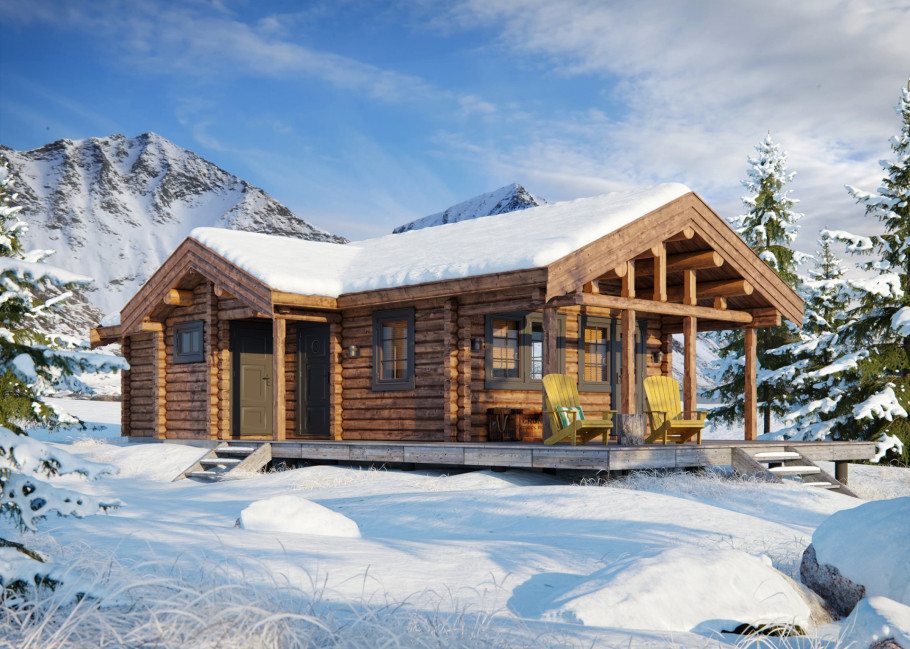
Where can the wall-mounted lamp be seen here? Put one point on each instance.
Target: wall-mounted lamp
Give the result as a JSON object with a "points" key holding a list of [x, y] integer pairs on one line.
{"points": [[352, 351], [476, 344], [657, 356]]}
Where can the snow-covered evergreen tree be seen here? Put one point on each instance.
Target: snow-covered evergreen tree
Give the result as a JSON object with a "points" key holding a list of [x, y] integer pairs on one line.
{"points": [[870, 368], [31, 365], [769, 226], [827, 297]]}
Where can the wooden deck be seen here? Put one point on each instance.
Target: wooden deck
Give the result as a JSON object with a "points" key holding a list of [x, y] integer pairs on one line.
{"points": [[515, 455]]}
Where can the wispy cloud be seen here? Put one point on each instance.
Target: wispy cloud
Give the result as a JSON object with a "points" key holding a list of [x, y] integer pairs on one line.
{"points": [[698, 84]]}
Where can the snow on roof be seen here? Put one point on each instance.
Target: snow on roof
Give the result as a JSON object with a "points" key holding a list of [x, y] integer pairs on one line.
{"points": [[514, 241]]}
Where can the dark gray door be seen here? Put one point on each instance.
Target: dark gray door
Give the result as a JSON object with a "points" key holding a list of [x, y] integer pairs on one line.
{"points": [[251, 351], [313, 412]]}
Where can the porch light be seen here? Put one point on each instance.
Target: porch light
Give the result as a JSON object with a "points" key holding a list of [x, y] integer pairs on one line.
{"points": [[352, 351], [476, 344], [657, 356]]}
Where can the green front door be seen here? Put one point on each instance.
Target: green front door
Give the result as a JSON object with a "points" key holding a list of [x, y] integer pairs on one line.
{"points": [[251, 351], [313, 380]]}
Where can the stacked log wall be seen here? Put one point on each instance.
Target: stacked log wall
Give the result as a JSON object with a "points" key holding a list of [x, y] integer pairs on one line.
{"points": [[191, 399], [400, 414], [140, 402]]}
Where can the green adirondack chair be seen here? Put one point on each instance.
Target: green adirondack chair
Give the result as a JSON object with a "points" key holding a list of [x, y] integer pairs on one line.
{"points": [[667, 418], [566, 416]]}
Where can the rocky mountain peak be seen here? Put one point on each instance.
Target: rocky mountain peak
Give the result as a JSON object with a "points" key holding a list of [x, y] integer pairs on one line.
{"points": [[510, 198], [115, 207]]}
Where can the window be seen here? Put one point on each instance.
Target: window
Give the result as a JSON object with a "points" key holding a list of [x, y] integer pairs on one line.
{"points": [[595, 354], [600, 357], [514, 350], [393, 350], [188, 342]]}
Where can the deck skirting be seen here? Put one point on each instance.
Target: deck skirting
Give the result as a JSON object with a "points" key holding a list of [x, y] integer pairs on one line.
{"points": [[537, 456]]}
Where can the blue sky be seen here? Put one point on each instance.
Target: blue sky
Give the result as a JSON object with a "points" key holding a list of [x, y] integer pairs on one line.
{"points": [[362, 115]]}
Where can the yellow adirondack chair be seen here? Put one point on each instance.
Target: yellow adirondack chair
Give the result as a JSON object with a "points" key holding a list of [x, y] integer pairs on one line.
{"points": [[667, 418], [561, 398]]}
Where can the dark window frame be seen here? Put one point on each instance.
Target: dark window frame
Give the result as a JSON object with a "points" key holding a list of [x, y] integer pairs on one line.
{"points": [[641, 360], [585, 322], [407, 381], [527, 321], [191, 327]]}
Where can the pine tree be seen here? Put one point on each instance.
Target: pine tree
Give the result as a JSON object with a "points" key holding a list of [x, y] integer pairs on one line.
{"points": [[870, 366], [769, 226], [827, 297], [32, 364]]}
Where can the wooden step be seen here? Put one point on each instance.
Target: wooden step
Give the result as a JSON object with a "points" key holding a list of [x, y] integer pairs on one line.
{"points": [[208, 475], [770, 456], [235, 450], [795, 470], [220, 460], [821, 485]]}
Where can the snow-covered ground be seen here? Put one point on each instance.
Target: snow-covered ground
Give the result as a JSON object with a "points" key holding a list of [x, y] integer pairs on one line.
{"points": [[351, 557]]}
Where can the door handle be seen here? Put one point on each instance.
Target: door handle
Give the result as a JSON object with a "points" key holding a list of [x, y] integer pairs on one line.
{"points": [[268, 380]]}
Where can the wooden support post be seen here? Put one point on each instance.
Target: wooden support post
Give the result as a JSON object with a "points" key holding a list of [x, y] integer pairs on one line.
{"points": [[160, 389], [550, 356], [660, 274], [279, 401], [450, 370], [464, 377], [627, 391], [212, 360], [125, 388], [336, 385], [841, 471], [690, 397], [720, 303], [750, 414], [628, 280], [666, 348], [689, 295]]}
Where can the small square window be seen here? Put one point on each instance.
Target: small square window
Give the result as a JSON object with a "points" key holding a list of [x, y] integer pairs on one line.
{"points": [[188, 342]]}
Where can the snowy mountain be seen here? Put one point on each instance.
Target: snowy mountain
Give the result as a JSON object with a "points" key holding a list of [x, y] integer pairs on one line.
{"points": [[510, 198], [114, 208]]}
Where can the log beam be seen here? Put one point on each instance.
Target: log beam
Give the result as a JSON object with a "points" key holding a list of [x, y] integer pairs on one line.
{"points": [[177, 297], [710, 290], [683, 235], [750, 413], [698, 260], [648, 306], [222, 293]]}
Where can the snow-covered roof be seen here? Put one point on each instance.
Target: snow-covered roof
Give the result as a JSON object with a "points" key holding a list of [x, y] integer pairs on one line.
{"points": [[526, 239]]}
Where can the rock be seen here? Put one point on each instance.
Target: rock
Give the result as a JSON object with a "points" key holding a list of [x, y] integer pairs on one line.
{"points": [[838, 591]]}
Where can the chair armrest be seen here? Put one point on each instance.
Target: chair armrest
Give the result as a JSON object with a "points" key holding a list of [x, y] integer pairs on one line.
{"points": [[657, 417], [607, 415], [700, 415]]}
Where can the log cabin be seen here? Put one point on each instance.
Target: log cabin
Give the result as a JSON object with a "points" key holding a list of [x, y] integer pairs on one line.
{"points": [[420, 336]]}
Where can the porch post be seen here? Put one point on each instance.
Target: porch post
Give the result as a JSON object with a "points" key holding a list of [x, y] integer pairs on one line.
{"points": [[550, 356], [627, 391], [750, 411], [279, 329], [690, 398]]}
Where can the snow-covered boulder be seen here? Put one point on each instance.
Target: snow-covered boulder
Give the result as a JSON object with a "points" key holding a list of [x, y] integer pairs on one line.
{"points": [[298, 516], [860, 552], [877, 623], [680, 589]]}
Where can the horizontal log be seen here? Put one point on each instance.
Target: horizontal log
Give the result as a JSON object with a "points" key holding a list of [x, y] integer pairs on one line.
{"points": [[648, 306], [709, 290], [178, 297], [697, 260]]}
